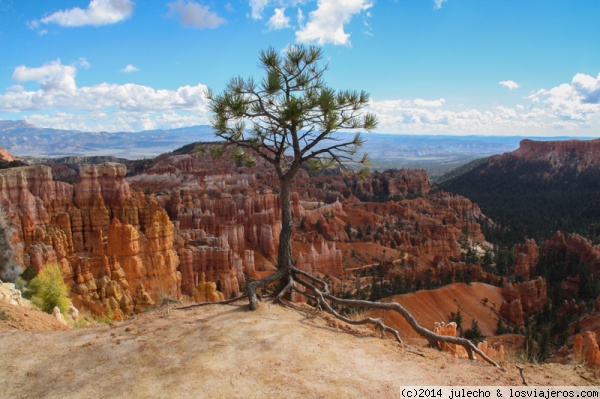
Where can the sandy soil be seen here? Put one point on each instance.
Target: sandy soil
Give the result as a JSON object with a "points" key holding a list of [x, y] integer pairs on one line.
{"points": [[13, 317], [227, 352]]}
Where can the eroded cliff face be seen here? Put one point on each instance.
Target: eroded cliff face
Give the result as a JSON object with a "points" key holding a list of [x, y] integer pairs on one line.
{"points": [[223, 221], [575, 154], [378, 186], [227, 219], [322, 258], [107, 239], [522, 300], [216, 230], [586, 350], [217, 201], [572, 247], [429, 232], [527, 256]]}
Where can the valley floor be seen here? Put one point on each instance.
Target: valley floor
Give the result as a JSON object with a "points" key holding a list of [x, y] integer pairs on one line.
{"points": [[227, 352]]}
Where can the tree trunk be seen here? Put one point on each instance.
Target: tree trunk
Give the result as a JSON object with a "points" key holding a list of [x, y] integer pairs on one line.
{"points": [[285, 262], [284, 253]]}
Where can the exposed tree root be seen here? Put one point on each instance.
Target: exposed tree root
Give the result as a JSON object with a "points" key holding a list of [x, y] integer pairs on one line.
{"points": [[318, 290], [224, 302], [252, 286], [321, 296], [435, 340], [522, 372]]}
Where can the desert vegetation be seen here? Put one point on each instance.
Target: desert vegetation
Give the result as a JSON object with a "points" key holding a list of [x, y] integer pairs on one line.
{"points": [[48, 290]]}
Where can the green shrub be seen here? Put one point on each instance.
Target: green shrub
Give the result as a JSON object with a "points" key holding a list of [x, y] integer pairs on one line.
{"points": [[105, 318], [80, 322], [48, 289], [474, 333]]}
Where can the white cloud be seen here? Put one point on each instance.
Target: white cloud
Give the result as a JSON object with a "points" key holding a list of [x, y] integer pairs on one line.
{"points": [[577, 101], [571, 109], [506, 113], [257, 7], [84, 63], [58, 102], [326, 23], [132, 97], [98, 12], [52, 76], [437, 4], [510, 84], [429, 103], [300, 17], [279, 20], [129, 97], [587, 87], [194, 15], [129, 68]]}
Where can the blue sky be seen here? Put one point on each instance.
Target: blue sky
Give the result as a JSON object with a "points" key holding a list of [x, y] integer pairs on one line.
{"points": [[491, 67]]}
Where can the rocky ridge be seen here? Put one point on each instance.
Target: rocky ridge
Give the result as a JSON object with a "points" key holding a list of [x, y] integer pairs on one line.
{"points": [[541, 187], [576, 154]]}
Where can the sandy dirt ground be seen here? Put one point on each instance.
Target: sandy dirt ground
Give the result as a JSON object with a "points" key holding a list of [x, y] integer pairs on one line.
{"points": [[228, 352], [13, 317]]}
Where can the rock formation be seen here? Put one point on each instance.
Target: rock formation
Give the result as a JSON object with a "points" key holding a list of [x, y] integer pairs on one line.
{"points": [[577, 154], [207, 292], [240, 219], [142, 299], [9, 294], [106, 238], [572, 247], [217, 263], [586, 350], [495, 352], [58, 316], [450, 330], [378, 186], [527, 257], [208, 216], [6, 156], [325, 260], [523, 299]]}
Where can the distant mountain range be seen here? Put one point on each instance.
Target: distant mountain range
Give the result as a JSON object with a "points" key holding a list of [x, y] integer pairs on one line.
{"points": [[25, 140], [436, 153]]}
